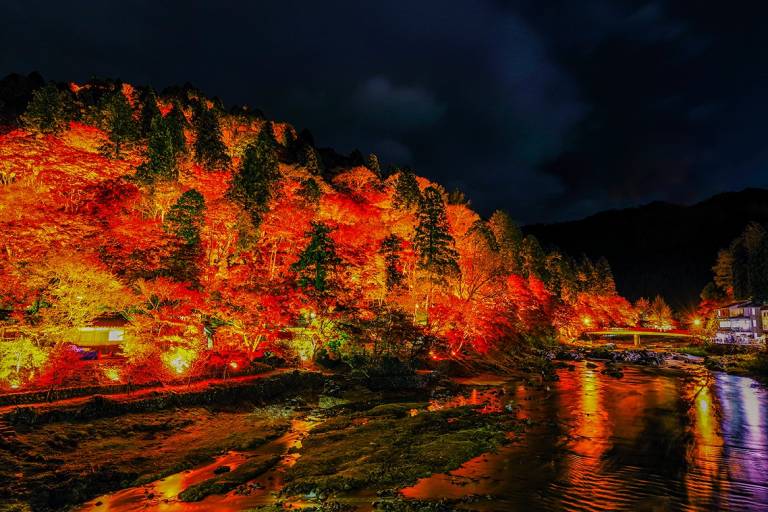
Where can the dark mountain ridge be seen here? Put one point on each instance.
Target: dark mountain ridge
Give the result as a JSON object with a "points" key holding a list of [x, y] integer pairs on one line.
{"points": [[660, 248]]}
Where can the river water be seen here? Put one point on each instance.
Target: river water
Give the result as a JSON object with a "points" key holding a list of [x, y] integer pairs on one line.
{"points": [[657, 439], [653, 440]]}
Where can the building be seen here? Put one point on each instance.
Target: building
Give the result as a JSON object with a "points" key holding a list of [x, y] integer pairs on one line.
{"points": [[105, 331], [743, 323]]}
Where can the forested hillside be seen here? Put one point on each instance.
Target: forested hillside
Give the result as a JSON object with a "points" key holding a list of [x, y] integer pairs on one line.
{"points": [[223, 238], [661, 248]]}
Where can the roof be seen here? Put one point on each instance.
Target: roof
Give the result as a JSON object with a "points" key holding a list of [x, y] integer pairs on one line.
{"points": [[744, 304], [109, 321]]}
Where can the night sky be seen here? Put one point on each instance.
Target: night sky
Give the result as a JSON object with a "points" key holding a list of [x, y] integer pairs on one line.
{"points": [[550, 110]]}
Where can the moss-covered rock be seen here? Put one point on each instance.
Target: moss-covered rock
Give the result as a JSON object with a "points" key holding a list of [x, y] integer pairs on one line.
{"points": [[392, 448], [228, 481]]}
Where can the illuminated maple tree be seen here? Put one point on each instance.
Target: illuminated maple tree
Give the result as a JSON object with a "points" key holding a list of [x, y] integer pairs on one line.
{"points": [[284, 251]]}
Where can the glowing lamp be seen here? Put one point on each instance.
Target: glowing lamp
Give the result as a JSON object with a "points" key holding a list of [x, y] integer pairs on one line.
{"points": [[233, 365], [586, 321], [179, 359], [697, 322], [179, 364], [112, 374]]}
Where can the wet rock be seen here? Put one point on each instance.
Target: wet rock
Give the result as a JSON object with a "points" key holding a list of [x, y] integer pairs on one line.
{"points": [[230, 480], [332, 388], [405, 505], [612, 371], [330, 402], [591, 365], [392, 448], [222, 469], [713, 364], [570, 355]]}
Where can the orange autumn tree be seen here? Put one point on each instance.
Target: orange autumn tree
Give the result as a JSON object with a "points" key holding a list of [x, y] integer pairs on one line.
{"points": [[203, 228]]}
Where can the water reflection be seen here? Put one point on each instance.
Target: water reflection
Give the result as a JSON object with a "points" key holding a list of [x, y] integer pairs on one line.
{"points": [[161, 495], [653, 440], [744, 410]]}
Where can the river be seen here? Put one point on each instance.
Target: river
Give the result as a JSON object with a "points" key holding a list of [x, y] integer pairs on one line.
{"points": [[656, 439]]}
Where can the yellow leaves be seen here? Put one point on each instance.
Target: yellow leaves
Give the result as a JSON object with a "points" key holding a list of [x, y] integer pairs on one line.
{"points": [[19, 359], [84, 138], [112, 373], [179, 359], [7, 176], [78, 291]]}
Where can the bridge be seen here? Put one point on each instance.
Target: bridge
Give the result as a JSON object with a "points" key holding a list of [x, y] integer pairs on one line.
{"points": [[636, 332]]}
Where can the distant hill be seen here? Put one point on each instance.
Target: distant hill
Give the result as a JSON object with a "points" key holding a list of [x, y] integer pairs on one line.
{"points": [[660, 248]]}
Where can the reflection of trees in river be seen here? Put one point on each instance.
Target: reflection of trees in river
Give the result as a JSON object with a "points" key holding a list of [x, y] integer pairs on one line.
{"points": [[744, 436], [654, 440]]}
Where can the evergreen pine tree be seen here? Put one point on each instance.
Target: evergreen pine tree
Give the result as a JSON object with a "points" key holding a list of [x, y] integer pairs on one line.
{"points": [[176, 124], [311, 160], [712, 292], [509, 237], [561, 274], [252, 186], [122, 128], [407, 192], [604, 277], [310, 191], [723, 272], [432, 240], [390, 249], [533, 258], [267, 134], [373, 164], [317, 259], [149, 112], [161, 154], [456, 196], [289, 139], [756, 241], [484, 234], [185, 220], [210, 150], [45, 112]]}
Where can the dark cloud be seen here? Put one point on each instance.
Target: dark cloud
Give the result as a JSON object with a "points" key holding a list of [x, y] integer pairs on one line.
{"points": [[550, 110], [400, 108]]}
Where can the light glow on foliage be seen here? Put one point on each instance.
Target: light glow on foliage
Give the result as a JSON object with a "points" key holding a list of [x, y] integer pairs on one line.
{"points": [[112, 373], [179, 359], [202, 275]]}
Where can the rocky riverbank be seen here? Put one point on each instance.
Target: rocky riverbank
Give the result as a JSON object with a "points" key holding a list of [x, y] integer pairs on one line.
{"points": [[57, 455], [367, 437], [370, 433]]}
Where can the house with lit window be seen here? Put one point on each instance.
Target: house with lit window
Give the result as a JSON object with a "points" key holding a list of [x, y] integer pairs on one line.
{"points": [[743, 323]]}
